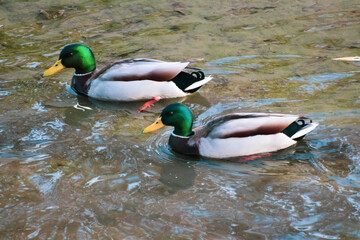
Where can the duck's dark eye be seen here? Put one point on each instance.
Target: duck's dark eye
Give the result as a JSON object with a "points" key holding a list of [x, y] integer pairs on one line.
{"points": [[70, 54], [168, 114]]}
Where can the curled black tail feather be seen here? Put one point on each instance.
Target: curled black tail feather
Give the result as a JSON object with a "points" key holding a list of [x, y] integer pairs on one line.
{"points": [[184, 79], [199, 75], [296, 126]]}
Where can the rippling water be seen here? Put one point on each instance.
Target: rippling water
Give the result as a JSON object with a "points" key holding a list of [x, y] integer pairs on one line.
{"points": [[76, 168]]}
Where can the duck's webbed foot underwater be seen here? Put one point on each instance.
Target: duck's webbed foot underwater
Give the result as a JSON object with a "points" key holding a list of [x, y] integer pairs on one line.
{"points": [[150, 103]]}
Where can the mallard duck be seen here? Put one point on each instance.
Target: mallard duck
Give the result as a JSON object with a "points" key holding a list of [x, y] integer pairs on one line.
{"points": [[232, 135], [128, 79]]}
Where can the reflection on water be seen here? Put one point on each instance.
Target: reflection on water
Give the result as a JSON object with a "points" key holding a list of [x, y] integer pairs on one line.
{"points": [[88, 172], [319, 82]]}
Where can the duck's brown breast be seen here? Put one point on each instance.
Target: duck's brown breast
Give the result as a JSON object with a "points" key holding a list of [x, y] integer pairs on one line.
{"points": [[181, 145]]}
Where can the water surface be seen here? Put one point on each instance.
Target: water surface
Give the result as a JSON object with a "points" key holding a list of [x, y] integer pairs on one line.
{"points": [[89, 173]]}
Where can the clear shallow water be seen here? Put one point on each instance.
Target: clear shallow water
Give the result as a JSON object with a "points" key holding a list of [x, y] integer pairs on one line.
{"points": [[75, 173]]}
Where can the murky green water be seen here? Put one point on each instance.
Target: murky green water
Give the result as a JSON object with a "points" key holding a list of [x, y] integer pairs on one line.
{"points": [[66, 173]]}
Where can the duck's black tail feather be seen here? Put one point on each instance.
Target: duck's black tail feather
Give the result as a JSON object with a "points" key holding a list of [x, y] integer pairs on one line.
{"points": [[190, 82], [299, 128]]}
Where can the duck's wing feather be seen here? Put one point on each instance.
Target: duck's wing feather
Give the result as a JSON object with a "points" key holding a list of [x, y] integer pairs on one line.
{"points": [[140, 69], [247, 124]]}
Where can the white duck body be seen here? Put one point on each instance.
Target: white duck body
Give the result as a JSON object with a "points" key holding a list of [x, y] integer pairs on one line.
{"points": [[242, 134], [139, 79], [232, 147], [134, 90]]}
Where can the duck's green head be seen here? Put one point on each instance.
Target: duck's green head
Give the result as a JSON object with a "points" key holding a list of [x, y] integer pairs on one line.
{"points": [[176, 115], [75, 56]]}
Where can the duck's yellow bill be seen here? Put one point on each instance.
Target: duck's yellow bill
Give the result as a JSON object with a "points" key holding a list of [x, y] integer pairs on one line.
{"points": [[155, 126], [54, 69], [348, 59]]}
